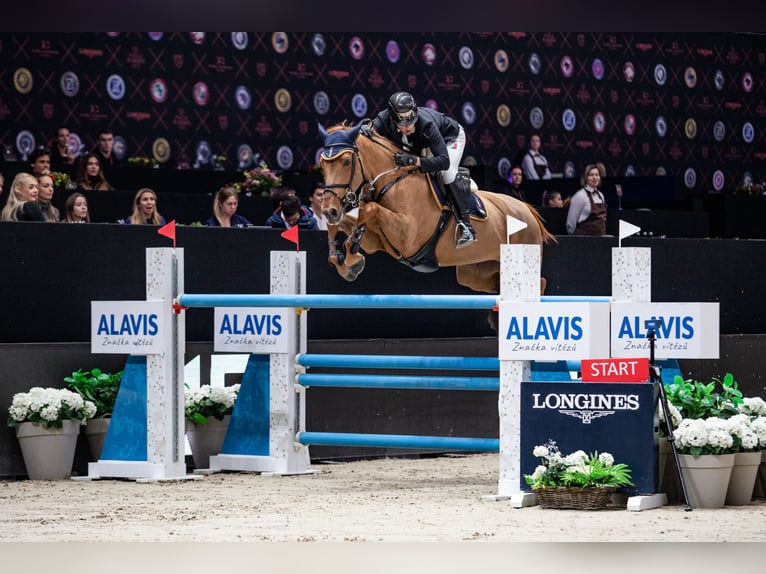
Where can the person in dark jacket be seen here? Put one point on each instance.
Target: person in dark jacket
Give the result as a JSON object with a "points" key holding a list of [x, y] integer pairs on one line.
{"points": [[291, 213], [417, 129], [21, 204], [225, 210]]}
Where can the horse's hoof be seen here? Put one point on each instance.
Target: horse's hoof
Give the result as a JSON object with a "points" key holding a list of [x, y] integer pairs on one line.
{"points": [[355, 270]]}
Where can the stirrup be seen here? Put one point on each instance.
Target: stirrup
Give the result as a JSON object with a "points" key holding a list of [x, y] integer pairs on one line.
{"points": [[464, 235]]}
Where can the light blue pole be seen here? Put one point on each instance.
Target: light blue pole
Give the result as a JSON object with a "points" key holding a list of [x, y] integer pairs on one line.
{"points": [[399, 441], [368, 381], [399, 362]]}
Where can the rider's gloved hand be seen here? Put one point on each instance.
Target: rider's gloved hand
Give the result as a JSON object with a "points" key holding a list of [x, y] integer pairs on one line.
{"points": [[401, 158]]}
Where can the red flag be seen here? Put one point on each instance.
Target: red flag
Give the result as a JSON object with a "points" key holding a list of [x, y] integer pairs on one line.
{"points": [[292, 235], [169, 230]]}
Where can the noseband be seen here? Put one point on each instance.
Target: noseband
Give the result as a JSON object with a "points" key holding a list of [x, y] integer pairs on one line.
{"points": [[351, 198]]}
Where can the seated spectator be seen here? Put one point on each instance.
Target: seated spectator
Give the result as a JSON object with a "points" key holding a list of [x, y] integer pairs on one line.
{"points": [[22, 200], [76, 209], [45, 197], [277, 194], [513, 185], [40, 161], [61, 155], [225, 210], [90, 176], [145, 209], [315, 203], [291, 213], [104, 149], [552, 199]]}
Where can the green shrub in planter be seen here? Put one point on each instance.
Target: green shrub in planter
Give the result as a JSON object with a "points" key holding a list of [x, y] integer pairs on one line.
{"points": [[96, 386], [719, 398]]}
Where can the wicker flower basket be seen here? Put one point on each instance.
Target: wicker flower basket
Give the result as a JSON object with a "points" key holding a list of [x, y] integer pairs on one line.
{"points": [[574, 497]]}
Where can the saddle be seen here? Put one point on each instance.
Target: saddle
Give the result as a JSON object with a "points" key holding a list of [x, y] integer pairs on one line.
{"points": [[476, 207]]}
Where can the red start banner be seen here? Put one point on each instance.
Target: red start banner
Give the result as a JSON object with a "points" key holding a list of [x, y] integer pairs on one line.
{"points": [[615, 370]]}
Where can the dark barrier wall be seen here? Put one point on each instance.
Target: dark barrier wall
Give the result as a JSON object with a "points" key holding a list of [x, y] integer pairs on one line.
{"points": [[51, 272]]}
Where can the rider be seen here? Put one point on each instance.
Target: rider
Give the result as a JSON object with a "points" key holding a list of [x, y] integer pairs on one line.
{"points": [[417, 129]]}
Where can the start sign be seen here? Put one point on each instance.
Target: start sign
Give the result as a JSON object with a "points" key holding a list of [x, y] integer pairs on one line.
{"points": [[615, 370]]}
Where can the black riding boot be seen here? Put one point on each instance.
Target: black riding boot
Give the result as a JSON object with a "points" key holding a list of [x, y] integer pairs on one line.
{"points": [[460, 194]]}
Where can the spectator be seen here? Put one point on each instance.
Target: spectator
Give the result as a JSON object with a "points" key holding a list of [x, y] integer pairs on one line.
{"points": [[76, 209], [277, 194], [225, 210], [104, 149], [513, 185], [45, 197], [420, 129], [144, 209], [587, 208], [534, 164], [552, 199], [291, 213], [90, 176], [315, 203], [22, 200], [40, 161], [61, 155]]}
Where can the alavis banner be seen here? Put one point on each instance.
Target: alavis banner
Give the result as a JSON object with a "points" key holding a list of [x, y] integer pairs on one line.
{"points": [[251, 330], [127, 327]]}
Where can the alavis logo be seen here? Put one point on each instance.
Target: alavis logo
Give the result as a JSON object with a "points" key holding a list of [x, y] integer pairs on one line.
{"points": [[585, 406]]}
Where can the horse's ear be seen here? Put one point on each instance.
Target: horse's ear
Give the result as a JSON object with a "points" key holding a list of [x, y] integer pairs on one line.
{"points": [[322, 131]]}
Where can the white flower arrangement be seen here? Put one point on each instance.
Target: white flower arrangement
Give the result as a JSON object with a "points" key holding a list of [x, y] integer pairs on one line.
{"points": [[576, 469], [49, 407], [209, 402], [714, 435], [753, 406], [675, 417], [758, 426]]}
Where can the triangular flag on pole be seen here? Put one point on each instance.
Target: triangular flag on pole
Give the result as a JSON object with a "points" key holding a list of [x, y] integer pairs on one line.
{"points": [[292, 235], [512, 225], [626, 230], [169, 230]]}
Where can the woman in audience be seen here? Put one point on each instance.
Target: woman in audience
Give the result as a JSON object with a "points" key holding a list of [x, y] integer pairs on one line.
{"points": [[76, 209], [145, 209], [45, 196], [90, 176], [22, 200], [587, 207], [225, 210]]}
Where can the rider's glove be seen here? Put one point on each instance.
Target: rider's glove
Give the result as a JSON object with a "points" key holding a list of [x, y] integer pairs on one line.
{"points": [[401, 158]]}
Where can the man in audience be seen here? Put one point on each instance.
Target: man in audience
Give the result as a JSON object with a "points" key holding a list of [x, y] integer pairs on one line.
{"points": [[104, 149]]}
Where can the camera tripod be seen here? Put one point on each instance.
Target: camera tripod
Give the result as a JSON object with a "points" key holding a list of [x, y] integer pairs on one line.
{"points": [[655, 377]]}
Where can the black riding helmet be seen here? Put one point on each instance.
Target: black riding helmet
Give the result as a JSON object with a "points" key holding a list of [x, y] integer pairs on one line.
{"points": [[404, 112]]}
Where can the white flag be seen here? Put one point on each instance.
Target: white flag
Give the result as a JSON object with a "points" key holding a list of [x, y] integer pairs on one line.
{"points": [[512, 226], [628, 229]]}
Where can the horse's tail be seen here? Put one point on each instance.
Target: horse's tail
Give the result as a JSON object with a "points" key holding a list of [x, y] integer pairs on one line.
{"points": [[547, 236]]}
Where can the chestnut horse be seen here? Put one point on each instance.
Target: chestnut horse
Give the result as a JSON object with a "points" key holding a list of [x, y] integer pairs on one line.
{"points": [[399, 213]]}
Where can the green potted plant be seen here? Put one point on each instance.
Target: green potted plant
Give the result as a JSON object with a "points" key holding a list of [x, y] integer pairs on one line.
{"points": [[696, 400], [101, 388], [47, 423], [577, 480], [207, 412]]}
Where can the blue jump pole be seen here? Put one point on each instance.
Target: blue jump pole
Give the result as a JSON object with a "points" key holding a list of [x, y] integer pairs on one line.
{"points": [[341, 301], [367, 381], [399, 441], [399, 362]]}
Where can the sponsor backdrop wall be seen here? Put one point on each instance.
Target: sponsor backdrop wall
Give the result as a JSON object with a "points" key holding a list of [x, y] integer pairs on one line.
{"points": [[689, 105]]}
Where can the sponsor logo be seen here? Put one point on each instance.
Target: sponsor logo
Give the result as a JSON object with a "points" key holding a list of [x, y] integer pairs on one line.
{"points": [[660, 74], [748, 132], [466, 57], [161, 150], [501, 61], [429, 54], [321, 103], [138, 116], [503, 167], [200, 93], [719, 80], [503, 115], [282, 100], [534, 64], [115, 87], [280, 42], [239, 40], [25, 143], [245, 156], [284, 157], [598, 69], [203, 154], [567, 66], [242, 97], [586, 406], [690, 77], [469, 113], [630, 124], [719, 131], [690, 128], [661, 126], [70, 84], [156, 36], [197, 37], [628, 72], [569, 169], [599, 122], [318, 44], [393, 53], [660, 171], [158, 90], [690, 178], [356, 48], [536, 117], [569, 119], [747, 82], [120, 148], [359, 105], [718, 180], [22, 80]]}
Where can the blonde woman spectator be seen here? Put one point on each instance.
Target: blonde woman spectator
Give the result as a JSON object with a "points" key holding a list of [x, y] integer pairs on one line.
{"points": [[45, 197], [145, 209], [76, 209], [225, 210], [90, 176], [22, 200]]}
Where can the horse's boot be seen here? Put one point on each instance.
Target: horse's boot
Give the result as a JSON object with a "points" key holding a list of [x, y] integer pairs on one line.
{"points": [[460, 194]]}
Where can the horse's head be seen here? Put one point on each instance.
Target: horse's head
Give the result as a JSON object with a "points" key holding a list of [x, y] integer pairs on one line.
{"points": [[343, 181]]}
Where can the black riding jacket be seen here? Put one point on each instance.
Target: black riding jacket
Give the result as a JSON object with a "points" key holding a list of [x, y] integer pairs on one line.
{"points": [[433, 131]]}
